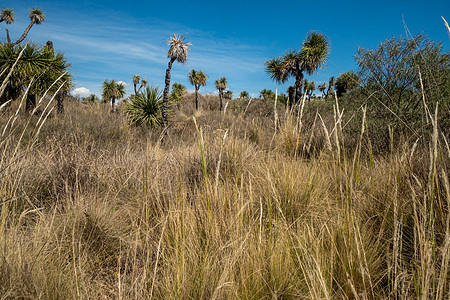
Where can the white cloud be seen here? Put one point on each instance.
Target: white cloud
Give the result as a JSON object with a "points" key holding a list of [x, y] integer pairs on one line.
{"points": [[123, 82], [81, 91]]}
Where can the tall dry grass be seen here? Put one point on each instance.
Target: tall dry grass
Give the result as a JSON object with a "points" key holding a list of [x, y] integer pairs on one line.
{"points": [[225, 207]]}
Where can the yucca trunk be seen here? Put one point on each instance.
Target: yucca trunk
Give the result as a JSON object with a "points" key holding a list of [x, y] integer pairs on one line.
{"points": [[135, 90], [113, 103], [220, 100], [298, 83], [291, 95], [30, 103], [24, 35], [60, 103], [196, 97], [165, 104], [298, 86]]}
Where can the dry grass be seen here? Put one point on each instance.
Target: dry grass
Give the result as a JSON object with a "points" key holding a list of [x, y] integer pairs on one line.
{"points": [[92, 208]]}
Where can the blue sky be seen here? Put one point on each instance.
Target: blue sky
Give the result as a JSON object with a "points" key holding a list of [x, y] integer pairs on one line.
{"points": [[116, 39]]}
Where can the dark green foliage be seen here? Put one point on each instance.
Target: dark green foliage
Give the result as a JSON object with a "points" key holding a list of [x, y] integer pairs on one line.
{"points": [[400, 76], [346, 82], [39, 69], [145, 108]]}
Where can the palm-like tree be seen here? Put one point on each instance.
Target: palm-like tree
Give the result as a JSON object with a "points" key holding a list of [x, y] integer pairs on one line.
{"points": [[7, 15], [331, 83], [177, 91], [221, 85], [197, 79], [36, 17], [228, 95], [244, 95], [178, 51], [310, 89], [112, 91], [136, 80], [294, 63], [322, 87], [39, 70]]}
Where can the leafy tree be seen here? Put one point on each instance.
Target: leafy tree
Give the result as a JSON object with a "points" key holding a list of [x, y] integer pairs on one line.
{"points": [[145, 108], [322, 87], [36, 17], [177, 91], [197, 79], [178, 51], [221, 85], [393, 70], [346, 82], [112, 91], [38, 69], [309, 58]]}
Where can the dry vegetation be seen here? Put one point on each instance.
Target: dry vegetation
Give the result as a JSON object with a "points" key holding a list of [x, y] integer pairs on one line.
{"points": [[224, 207]]}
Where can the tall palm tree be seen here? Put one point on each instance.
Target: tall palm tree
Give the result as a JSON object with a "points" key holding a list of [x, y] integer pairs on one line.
{"points": [[112, 91], [7, 15], [36, 17], [197, 79], [178, 51], [309, 58], [221, 85], [136, 80]]}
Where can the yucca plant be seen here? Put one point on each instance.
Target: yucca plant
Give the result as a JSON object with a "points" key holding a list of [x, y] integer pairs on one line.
{"points": [[37, 16], [145, 108]]}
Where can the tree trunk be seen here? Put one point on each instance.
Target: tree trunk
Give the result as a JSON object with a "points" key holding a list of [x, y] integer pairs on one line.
{"points": [[7, 36], [24, 35], [165, 104], [220, 100], [291, 95], [135, 90], [196, 98], [298, 85], [60, 102], [30, 103], [113, 103]]}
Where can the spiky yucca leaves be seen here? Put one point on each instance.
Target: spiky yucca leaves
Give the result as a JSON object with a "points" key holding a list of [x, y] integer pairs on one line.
{"points": [[37, 16], [145, 108], [315, 50], [112, 91], [7, 15], [43, 68], [178, 51], [221, 85], [197, 79]]}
